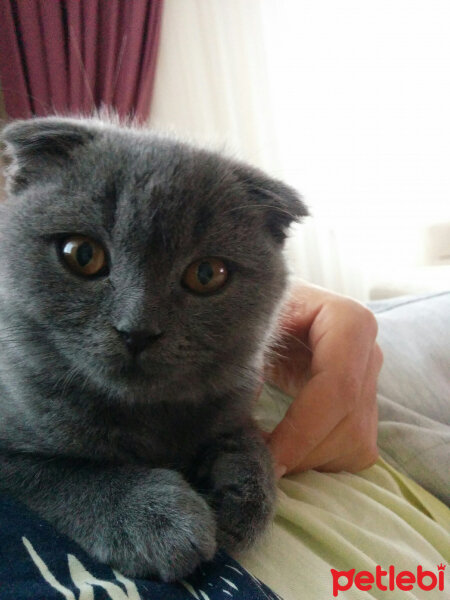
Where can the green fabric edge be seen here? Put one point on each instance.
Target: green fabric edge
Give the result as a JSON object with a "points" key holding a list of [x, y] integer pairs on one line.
{"points": [[419, 497]]}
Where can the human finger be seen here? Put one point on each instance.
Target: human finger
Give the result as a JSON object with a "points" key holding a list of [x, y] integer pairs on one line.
{"points": [[340, 357], [354, 440]]}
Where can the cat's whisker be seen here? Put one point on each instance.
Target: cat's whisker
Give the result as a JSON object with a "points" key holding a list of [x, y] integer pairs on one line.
{"points": [[69, 378], [283, 343]]}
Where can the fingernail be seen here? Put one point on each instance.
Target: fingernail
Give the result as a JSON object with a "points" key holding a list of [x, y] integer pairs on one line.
{"points": [[280, 470]]}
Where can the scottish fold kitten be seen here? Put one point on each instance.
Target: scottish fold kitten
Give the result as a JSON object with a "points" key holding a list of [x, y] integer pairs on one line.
{"points": [[140, 281]]}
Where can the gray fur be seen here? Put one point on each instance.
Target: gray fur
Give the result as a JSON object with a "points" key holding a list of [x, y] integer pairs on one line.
{"points": [[149, 468]]}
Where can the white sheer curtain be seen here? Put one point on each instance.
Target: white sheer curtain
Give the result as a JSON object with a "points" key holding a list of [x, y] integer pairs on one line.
{"points": [[347, 101]]}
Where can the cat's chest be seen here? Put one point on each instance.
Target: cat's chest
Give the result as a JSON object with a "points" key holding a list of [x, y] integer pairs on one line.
{"points": [[163, 436]]}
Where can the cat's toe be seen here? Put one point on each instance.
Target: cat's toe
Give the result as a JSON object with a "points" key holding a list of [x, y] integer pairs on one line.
{"points": [[184, 546], [242, 516]]}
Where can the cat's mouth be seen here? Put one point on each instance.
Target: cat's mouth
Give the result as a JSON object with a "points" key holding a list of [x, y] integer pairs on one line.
{"points": [[131, 369], [138, 372]]}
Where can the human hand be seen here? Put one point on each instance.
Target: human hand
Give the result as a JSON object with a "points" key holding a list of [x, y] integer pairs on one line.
{"points": [[331, 425]]}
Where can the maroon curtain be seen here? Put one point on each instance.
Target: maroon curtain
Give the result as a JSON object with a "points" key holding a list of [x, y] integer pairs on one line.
{"points": [[72, 56]]}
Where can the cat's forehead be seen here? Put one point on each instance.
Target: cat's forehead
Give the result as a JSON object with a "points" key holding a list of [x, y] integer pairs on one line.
{"points": [[72, 175], [155, 187]]}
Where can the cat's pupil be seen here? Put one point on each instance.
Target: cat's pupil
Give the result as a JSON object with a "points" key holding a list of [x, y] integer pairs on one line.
{"points": [[205, 273], [85, 252]]}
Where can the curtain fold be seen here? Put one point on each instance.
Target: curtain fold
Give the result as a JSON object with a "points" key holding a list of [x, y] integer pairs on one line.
{"points": [[75, 56]]}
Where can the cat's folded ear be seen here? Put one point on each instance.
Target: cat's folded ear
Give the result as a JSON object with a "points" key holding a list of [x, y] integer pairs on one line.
{"points": [[281, 203], [35, 146]]}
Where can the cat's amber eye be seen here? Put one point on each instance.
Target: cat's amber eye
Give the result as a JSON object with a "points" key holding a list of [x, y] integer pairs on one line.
{"points": [[84, 256], [206, 275]]}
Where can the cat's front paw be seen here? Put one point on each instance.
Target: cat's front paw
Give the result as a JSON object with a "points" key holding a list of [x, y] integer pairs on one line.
{"points": [[184, 542], [169, 529], [243, 510]]}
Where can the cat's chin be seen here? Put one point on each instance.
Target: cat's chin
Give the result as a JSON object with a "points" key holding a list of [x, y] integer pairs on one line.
{"points": [[133, 375], [132, 382]]}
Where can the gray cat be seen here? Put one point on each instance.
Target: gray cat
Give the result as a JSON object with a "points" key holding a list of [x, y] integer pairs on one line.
{"points": [[140, 280]]}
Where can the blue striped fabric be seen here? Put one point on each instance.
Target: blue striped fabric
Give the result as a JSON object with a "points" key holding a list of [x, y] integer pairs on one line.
{"points": [[38, 563]]}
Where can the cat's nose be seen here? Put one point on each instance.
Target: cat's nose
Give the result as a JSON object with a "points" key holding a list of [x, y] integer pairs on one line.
{"points": [[138, 340]]}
